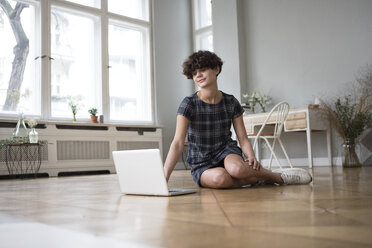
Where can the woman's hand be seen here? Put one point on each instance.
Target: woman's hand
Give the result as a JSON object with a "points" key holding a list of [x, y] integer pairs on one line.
{"points": [[254, 163]]}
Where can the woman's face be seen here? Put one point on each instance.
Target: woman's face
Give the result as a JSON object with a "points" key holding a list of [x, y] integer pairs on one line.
{"points": [[205, 77]]}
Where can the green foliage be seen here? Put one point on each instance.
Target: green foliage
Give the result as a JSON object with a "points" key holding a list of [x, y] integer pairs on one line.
{"points": [[74, 107], [13, 140], [5, 142], [256, 97], [93, 111], [352, 121]]}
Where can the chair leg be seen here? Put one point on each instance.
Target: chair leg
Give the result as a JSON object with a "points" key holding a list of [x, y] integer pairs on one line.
{"points": [[271, 160], [285, 153], [272, 152], [257, 150], [271, 155]]}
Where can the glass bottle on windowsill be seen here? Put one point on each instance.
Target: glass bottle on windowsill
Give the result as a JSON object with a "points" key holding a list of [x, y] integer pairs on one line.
{"points": [[20, 133], [33, 136]]}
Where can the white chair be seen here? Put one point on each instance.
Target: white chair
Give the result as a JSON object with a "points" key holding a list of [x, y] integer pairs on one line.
{"points": [[274, 122]]}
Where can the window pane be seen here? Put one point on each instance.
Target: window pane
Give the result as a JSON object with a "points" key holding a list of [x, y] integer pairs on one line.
{"points": [[204, 41], [75, 68], [130, 87], [90, 3], [138, 9], [19, 71], [203, 13]]}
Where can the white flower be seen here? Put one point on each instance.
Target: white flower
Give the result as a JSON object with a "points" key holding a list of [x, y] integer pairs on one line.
{"points": [[32, 122], [255, 98]]}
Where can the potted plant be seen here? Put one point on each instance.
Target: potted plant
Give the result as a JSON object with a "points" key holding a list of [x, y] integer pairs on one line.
{"points": [[254, 98], [350, 115], [74, 108], [93, 115]]}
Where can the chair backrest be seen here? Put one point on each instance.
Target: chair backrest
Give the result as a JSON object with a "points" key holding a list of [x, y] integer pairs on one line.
{"points": [[277, 116]]}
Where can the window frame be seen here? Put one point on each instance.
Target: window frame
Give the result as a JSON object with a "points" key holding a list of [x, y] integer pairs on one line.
{"points": [[143, 27], [98, 55], [199, 32], [100, 12], [38, 62]]}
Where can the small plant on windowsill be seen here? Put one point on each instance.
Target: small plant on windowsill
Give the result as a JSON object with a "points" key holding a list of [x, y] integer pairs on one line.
{"points": [[74, 108], [93, 115]]}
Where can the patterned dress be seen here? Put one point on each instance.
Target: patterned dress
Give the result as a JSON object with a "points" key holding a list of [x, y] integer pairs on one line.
{"points": [[209, 132]]}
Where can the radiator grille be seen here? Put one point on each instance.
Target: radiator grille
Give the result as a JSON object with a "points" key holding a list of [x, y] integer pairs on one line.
{"points": [[135, 145], [83, 150]]}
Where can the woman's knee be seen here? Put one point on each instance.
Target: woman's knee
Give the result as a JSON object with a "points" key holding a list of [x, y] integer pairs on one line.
{"points": [[217, 179], [236, 169], [243, 171], [222, 180]]}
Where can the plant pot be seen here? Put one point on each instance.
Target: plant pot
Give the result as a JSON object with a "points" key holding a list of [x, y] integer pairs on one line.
{"points": [[351, 159], [93, 119]]}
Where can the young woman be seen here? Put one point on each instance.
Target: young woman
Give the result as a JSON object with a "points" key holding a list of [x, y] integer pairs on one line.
{"points": [[206, 116]]}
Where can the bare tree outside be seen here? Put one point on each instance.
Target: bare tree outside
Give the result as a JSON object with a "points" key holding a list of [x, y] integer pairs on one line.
{"points": [[20, 50]]}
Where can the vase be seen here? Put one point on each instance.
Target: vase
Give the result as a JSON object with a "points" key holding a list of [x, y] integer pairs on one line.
{"points": [[33, 136], [20, 133], [351, 159]]}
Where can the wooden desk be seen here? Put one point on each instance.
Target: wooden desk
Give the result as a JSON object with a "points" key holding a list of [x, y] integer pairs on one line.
{"points": [[298, 120]]}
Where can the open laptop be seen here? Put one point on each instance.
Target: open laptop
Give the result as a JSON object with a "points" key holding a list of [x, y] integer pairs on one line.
{"points": [[140, 172]]}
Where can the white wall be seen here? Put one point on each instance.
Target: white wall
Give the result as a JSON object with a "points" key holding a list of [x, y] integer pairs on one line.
{"points": [[295, 50], [226, 45], [300, 49], [172, 39]]}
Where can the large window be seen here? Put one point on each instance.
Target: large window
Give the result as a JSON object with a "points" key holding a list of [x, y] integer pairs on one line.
{"points": [[19, 71], [130, 95], [90, 3], [75, 68], [132, 8], [203, 35], [96, 53]]}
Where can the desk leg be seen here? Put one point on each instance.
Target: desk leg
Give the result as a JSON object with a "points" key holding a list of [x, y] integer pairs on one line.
{"points": [[309, 153], [329, 146]]}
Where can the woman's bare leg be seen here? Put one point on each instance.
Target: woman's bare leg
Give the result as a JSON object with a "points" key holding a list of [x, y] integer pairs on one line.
{"points": [[219, 178], [237, 168]]}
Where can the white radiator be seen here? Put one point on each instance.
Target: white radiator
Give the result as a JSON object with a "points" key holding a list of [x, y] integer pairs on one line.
{"points": [[84, 147]]}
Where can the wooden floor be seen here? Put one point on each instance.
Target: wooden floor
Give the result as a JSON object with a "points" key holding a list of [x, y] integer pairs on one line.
{"points": [[333, 211]]}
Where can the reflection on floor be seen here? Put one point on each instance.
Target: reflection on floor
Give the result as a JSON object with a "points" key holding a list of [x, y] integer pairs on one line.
{"points": [[88, 211]]}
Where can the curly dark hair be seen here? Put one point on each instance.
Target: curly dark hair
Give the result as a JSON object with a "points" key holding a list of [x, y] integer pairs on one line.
{"points": [[201, 60]]}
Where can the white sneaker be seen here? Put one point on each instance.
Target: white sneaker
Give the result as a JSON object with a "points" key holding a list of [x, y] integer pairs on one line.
{"points": [[295, 176]]}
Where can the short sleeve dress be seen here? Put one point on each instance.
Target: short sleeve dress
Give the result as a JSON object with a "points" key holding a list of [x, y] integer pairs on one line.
{"points": [[209, 132]]}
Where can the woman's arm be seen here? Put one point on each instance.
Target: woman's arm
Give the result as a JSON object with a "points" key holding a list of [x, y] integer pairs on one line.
{"points": [[177, 146], [244, 142]]}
